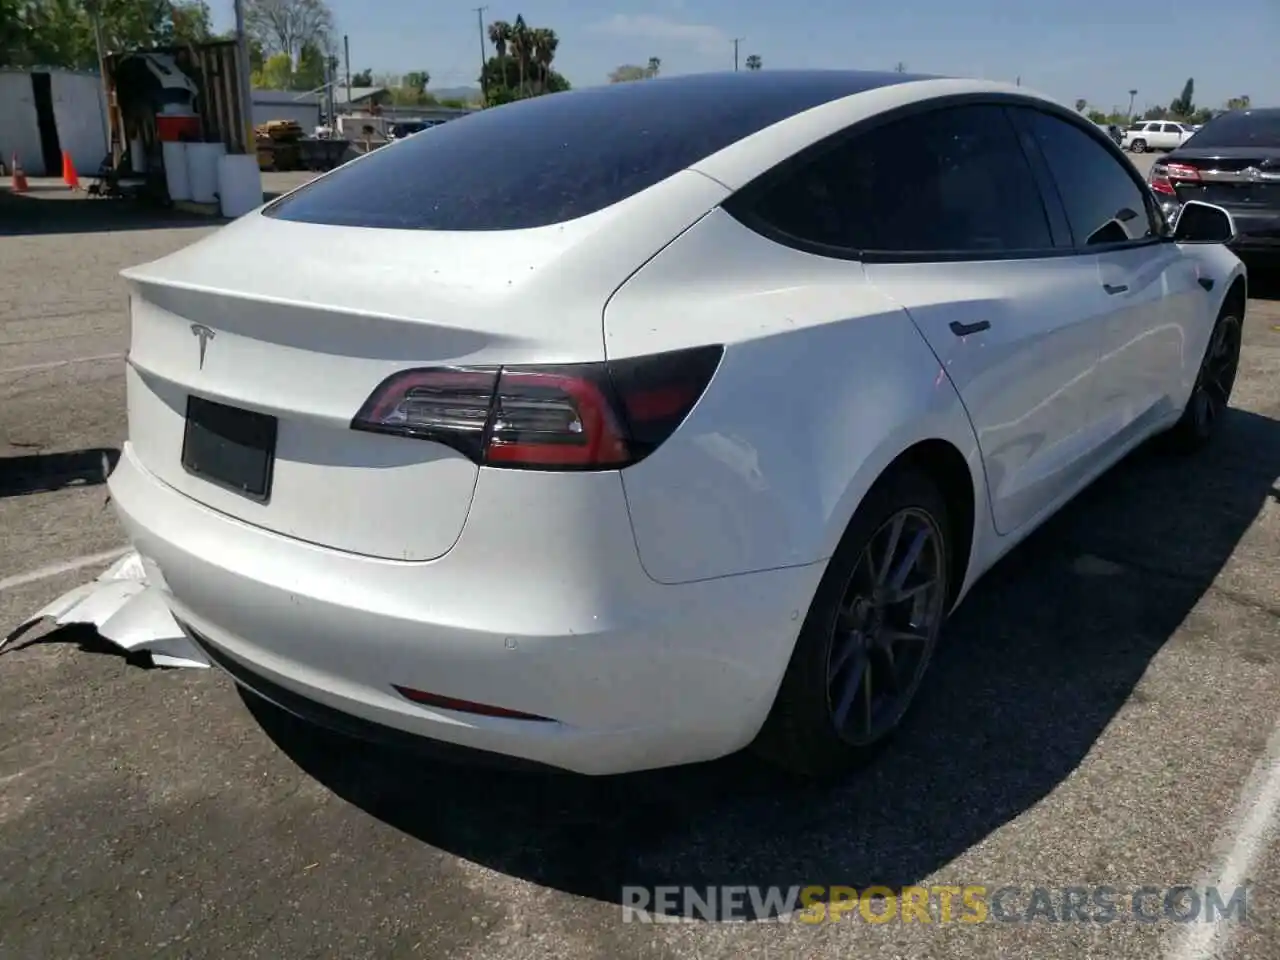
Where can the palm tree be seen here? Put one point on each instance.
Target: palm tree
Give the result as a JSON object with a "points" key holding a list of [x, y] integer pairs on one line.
{"points": [[545, 43], [521, 42], [500, 36], [754, 62], [655, 64]]}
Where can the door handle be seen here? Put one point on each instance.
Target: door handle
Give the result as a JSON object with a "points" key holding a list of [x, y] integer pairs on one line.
{"points": [[1206, 282], [964, 329], [1114, 288]]}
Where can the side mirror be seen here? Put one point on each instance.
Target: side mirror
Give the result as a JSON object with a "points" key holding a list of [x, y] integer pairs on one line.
{"points": [[1203, 223]]}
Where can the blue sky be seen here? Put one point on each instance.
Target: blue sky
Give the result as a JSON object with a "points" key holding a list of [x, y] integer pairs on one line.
{"points": [[1095, 49]]}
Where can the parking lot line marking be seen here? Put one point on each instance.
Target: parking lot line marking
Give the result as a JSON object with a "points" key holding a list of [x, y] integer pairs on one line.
{"points": [[66, 566], [1252, 827], [54, 364]]}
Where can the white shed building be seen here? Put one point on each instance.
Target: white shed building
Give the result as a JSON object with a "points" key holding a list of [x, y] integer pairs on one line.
{"points": [[46, 111]]}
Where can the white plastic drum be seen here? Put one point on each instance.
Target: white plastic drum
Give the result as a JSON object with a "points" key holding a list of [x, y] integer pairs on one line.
{"points": [[138, 155], [239, 184], [175, 170], [202, 169]]}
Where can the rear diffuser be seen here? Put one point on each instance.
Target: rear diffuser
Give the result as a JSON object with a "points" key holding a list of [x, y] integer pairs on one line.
{"points": [[128, 611]]}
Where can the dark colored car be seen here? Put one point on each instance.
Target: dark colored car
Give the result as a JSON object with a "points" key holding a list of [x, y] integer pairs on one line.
{"points": [[1234, 162], [407, 128]]}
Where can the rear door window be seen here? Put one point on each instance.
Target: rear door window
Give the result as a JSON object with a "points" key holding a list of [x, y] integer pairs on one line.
{"points": [[952, 181]]}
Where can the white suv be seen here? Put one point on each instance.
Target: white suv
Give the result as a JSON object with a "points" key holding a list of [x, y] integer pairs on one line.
{"points": [[1156, 135]]}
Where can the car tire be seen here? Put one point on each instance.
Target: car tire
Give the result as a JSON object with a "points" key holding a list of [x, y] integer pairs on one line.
{"points": [[1138, 146], [1212, 391], [823, 723]]}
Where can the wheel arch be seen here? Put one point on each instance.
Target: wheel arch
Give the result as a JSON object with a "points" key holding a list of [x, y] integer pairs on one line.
{"points": [[1237, 296], [943, 463]]}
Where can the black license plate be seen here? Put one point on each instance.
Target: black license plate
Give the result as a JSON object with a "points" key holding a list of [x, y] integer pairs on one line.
{"points": [[232, 448]]}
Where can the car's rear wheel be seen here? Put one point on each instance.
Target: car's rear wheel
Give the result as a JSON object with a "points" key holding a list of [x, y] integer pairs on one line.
{"points": [[1214, 382], [869, 634], [1138, 146]]}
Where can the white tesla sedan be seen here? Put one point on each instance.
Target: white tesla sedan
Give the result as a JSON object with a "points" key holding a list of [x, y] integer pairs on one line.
{"points": [[628, 427]]}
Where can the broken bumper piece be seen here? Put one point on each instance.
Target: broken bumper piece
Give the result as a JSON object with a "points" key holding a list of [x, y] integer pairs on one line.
{"points": [[127, 607]]}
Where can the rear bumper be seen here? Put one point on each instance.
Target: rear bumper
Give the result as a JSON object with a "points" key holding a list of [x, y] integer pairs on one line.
{"points": [[541, 607], [1258, 230]]}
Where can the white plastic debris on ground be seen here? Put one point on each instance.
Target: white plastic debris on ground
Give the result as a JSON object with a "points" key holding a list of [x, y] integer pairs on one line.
{"points": [[128, 610]]}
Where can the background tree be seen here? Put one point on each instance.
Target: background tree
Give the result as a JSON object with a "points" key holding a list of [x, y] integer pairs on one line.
{"points": [[362, 78], [545, 43], [754, 62], [1238, 103], [190, 22], [416, 81], [655, 65], [1080, 105], [276, 73], [499, 36], [628, 72], [59, 33], [1184, 104], [900, 67], [521, 44], [286, 26], [523, 65]]}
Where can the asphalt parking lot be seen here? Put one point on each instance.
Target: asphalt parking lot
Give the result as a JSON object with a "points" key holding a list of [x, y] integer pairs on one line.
{"points": [[1104, 712]]}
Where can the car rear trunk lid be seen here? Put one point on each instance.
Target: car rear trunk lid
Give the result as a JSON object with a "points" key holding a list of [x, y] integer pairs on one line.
{"points": [[1247, 178], [291, 327]]}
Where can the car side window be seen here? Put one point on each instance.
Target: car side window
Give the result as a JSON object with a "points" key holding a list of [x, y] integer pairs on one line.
{"points": [[954, 180], [1172, 128], [1104, 202]]}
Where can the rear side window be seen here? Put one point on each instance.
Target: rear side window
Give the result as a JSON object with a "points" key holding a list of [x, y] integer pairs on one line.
{"points": [[951, 181], [1104, 202], [555, 158], [1246, 128]]}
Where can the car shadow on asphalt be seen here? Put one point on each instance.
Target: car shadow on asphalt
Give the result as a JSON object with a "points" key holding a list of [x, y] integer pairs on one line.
{"points": [[40, 213], [1264, 277], [44, 472], [1034, 666]]}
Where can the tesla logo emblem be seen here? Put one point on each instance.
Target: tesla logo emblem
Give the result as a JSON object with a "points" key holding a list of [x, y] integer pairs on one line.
{"points": [[204, 334]]}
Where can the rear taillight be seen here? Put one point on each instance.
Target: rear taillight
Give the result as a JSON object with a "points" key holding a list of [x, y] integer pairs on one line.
{"points": [[584, 416], [1163, 176], [1159, 182]]}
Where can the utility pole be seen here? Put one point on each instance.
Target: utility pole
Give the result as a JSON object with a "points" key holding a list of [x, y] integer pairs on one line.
{"points": [[330, 80], [736, 41], [103, 90], [246, 94], [480, 19], [1132, 94], [346, 55]]}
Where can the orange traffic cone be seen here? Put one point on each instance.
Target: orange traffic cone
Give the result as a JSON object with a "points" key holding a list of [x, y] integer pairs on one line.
{"points": [[69, 172], [19, 184]]}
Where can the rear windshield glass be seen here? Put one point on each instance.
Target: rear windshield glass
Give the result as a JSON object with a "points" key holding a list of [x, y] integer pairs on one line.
{"points": [[554, 158], [1253, 128]]}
